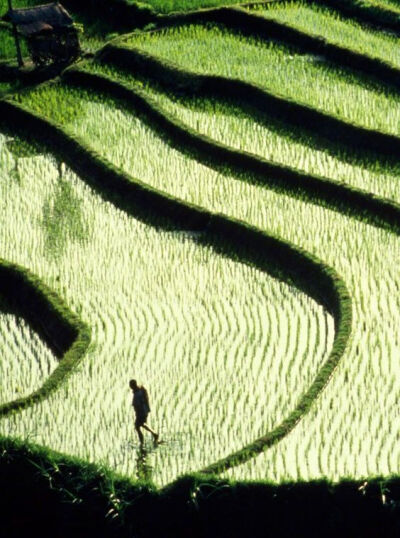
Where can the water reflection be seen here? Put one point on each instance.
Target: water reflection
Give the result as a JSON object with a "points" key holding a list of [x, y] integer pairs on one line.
{"points": [[144, 471], [62, 216]]}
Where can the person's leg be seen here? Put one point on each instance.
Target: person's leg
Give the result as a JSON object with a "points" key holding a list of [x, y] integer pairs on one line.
{"points": [[140, 434], [153, 433]]}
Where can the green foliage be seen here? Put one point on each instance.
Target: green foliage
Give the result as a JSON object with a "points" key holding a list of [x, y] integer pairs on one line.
{"points": [[231, 123], [21, 149], [331, 25], [65, 333], [168, 6], [65, 108], [362, 247], [371, 12], [221, 231], [321, 86], [68, 496]]}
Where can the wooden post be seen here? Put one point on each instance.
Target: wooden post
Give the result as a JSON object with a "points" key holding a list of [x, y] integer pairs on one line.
{"points": [[16, 38]]}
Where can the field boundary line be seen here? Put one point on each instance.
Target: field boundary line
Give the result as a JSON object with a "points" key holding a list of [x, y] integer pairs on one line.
{"points": [[287, 110], [377, 17], [342, 198], [235, 17], [366, 13], [66, 334], [252, 24], [267, 28], [302, 269], [105, 504]]}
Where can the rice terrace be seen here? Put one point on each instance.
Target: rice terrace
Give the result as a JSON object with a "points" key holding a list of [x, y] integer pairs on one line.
{"points": [[203, 195]]}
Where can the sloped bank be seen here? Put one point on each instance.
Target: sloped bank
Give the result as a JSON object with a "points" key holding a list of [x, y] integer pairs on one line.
{"points": [[175, 78], [56, 496], [268, 28], [64, 332], [344, 198], [227, 235]]}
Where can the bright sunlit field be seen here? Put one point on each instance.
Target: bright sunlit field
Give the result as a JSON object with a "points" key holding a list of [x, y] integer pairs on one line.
{"points": [[229, 125], [321, 21], [225, 350], [164, 309], [275, 67], [362, 254]]}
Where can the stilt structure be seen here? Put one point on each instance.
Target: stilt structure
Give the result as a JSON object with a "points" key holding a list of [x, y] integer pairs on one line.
{"points": [[16, 39], [49, 32]]}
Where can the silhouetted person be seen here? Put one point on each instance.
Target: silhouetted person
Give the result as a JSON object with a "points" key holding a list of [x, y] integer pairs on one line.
{"points": [[141, 406]]}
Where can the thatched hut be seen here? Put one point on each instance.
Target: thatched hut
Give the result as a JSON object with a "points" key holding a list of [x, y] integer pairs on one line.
{"points": [[49, 32]]}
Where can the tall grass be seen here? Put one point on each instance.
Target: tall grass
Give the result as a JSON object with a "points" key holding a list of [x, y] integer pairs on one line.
{"points": [[230, 125], [394, 5], [350, 430], [7, 45], [26, 361], [167, 6], [221, 346], [301, 77], [314, 19]]}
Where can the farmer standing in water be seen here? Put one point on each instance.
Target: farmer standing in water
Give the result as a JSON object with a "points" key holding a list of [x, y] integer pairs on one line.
{"points": [[141, 406]]}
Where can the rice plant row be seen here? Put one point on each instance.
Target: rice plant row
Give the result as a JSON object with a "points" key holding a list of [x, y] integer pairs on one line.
{"points": [[393, 5], [356, 407], [277, 68], [318, 20], [230, 125], [25, 360], [208, 336]]}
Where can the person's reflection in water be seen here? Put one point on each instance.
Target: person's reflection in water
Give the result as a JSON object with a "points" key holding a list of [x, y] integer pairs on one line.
{"points": [[144, 470]]}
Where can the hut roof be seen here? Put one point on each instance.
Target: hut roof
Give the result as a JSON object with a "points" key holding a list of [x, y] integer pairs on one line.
{"points": [[37, 19]]}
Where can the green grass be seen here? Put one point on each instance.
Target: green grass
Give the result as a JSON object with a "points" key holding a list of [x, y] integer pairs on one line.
{"points": [[230, 125], [206, 334], [317, 20], [197, 328], [393, 5], [274, 67], [6, 87], [7, 46], [168, 6], [29, 362], [354, 417]]}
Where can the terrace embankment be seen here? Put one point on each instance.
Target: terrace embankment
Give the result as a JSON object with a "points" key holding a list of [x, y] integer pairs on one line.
{"points": [[345, 198], [377, 15], [63, 331], [64, 497], [279, 107], [319, 30], [223, 234], [231, 124], [278, 22], [104, 506], [363, 248]]}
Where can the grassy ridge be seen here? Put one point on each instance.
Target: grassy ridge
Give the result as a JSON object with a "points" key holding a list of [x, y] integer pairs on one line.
{"points": [[64, 332], [274, 21], [371, 13], [326, 97], [171, 77], [240, 128], [317, 31], [307, 272], [67, 497], [288, 217], [375, 507]]}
